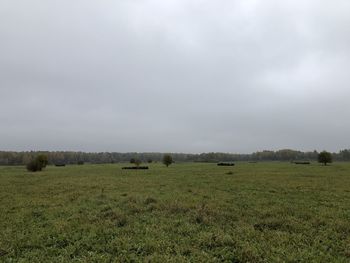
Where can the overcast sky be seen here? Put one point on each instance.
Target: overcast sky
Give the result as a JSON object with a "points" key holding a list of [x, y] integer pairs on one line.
{"points": [[174, 75]]}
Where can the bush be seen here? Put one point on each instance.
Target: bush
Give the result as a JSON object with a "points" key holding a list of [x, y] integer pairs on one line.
{"points": [[34, 166], [38, 163]]}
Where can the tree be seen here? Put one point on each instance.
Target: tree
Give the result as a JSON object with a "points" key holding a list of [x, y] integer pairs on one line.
{"points": [[167, 159], [324, 157]]}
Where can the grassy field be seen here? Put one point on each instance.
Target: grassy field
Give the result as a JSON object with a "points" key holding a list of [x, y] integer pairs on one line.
{"points": [[263, 212]]}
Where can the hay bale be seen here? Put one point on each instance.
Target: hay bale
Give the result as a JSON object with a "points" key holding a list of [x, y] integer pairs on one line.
{"points": [[225, 164], [301, 162], [135, 168]]}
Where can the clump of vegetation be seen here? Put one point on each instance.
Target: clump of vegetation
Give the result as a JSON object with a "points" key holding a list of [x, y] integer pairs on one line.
{"points": [[202, 214], [38, 163], [108, 214], [325, 157], [33, 166], [208, 240], [80, 162], [229, 173], [150, 200], [3, 252], [120, 220], [167, 160]]}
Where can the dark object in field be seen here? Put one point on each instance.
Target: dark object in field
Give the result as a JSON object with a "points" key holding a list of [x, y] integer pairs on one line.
{"points": [[150, 200], [34, 166], [80, 162], [302, 162], [38, 163], [60, 164], [226, 164], [167, 159], [325, 157], [252, 162], [136, 167], [3, 252]]}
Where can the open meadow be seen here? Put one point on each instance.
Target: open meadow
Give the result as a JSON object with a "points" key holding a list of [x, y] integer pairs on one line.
{"points": [[197, 212]]}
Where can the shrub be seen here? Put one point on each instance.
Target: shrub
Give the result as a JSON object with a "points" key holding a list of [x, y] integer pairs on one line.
{"points": [[150, 200], [34, 166], [38, 163]]}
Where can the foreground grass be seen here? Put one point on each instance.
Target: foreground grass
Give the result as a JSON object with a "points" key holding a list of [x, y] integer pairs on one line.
{"points": [[263, 212]]}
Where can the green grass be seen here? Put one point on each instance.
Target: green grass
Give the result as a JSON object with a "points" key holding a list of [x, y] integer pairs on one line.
{"points": [[263, 212]]}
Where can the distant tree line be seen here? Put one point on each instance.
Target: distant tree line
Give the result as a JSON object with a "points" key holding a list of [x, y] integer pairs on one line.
{"points": [[22, 158]]}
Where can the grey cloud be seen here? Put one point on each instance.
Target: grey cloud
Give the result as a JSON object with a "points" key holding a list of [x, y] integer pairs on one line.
{"points": [[187, 76]]}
